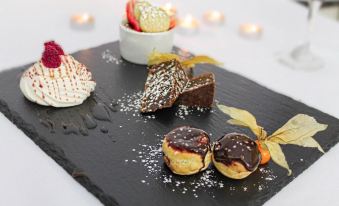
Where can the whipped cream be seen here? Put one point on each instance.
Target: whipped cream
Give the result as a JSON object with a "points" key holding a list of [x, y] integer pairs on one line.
{"points": [[68, 85]]}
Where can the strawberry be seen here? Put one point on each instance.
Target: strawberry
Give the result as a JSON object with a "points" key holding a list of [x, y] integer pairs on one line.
{"points": [[173, 22], [130, 15], [55, 46], [50, 57]]}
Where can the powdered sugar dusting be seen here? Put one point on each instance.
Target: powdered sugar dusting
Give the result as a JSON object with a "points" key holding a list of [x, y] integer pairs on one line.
{"points": [[110, 58], [184, 111], [130, 104], [268, 174], [150, 157]]}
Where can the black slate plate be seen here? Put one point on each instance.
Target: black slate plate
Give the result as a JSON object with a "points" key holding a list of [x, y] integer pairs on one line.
{"points": [[123, 166]]}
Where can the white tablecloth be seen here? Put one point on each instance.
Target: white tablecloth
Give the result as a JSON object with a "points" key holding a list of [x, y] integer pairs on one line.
{"points": [[29, 177]]}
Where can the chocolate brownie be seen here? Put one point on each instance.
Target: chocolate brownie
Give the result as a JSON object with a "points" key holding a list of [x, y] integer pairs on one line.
{"points": [[199, 91], [165, 82]]}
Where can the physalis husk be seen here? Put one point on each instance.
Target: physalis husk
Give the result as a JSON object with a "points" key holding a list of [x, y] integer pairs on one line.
{"points": [[299, 130], [157, 58]]}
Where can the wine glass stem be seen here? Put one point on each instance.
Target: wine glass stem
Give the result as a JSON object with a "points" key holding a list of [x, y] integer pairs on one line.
{"points": [[313, 9]]}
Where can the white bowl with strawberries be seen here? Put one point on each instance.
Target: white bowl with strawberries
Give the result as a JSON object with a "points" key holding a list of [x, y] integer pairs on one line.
{"points": [[147, 28]]}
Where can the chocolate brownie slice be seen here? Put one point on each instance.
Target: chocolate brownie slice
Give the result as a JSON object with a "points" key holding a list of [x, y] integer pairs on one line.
{"points": [[199, 91], [164, 84]]}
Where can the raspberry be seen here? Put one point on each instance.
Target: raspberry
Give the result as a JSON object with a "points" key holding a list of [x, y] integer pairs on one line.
{"points": [[55, 46], [50, 57]]}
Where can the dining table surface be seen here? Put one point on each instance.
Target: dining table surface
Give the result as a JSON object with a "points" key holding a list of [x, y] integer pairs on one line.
{"points": [[28, 176]]}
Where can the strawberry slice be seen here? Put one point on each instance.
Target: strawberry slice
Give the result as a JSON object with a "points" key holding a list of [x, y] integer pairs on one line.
{"points": [[173, 22], [130, 16]]}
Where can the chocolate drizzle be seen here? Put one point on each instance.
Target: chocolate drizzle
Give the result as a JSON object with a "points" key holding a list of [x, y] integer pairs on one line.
{"points": [[237, 147], [104, 130], [49, 124], [89, 121], [81, 119], [189, 139], [69, 128], [100, 112]]}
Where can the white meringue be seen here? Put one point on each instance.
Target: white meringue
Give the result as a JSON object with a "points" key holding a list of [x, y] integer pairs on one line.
{"points": [[68, 85]]}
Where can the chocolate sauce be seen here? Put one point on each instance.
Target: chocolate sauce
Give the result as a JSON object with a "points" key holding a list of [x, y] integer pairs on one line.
{"points": [[70, 128], [104, 130], [113, 108], [79, 120], [89, 121], [100, 112], [83, 131], [189, 139], [237, 147], [49, 124], [78, 173]]}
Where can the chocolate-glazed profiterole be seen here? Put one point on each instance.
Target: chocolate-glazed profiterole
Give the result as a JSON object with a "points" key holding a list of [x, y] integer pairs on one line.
{"points": [[236, 155], [187, 150]]}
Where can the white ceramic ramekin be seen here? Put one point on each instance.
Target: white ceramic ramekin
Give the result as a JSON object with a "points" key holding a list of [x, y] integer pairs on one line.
{"points": [[136, 46]]}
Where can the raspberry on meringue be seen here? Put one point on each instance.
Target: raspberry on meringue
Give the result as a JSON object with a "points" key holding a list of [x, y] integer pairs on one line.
{"points": [[57, 80], [50, 57], [56, 46]]}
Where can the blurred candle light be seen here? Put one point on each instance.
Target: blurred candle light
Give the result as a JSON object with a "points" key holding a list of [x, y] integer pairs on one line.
{"points": [[188, 25], [251, 31], [188, 22], [170, 9], [82, 21], [214, 17]]}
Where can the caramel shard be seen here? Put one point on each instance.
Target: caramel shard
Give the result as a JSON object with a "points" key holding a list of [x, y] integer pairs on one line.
{"points": [[165, 82], [199, 91]]}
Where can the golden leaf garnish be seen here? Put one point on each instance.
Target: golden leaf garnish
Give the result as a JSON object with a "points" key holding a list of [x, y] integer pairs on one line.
{"points": [[277, 155], [157, 58], [243, 118], [299, 130]]}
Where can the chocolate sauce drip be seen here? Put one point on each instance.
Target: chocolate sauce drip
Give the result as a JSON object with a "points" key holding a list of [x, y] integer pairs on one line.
{"points": [[189, 139], [113, 106], [89, 121], [83, 131], [78, 173], [81, 119], [104, 130], [100, 112], [49, 124], [70, 128], [237, 147]]}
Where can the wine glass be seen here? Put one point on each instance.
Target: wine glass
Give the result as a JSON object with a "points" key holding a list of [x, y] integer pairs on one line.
{"points": [[302, 56]]}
